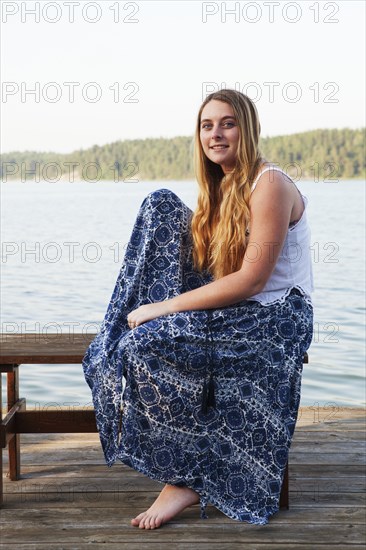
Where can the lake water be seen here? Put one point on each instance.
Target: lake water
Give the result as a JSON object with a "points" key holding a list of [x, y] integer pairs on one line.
{"points": [[62, 248]]}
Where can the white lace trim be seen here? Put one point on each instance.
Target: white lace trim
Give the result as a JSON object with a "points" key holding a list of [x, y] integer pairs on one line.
{"points": [[282, 298]]}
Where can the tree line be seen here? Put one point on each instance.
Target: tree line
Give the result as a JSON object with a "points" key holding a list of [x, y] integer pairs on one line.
{"points": [[319, 155]]}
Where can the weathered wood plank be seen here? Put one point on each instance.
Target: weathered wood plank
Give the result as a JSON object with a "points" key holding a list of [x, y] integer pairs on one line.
{"points": [[327, 470], [43, 348], [316, 447], [339, 430], [142, 500], [119, 470], [327, 458], [69, 499], [179, 546], [53, 442], [310, 415], [324, 415], [94, 456], [132, 483], [301, 514], [303, 435], [62, 421], [302, 442], [60, 528]]}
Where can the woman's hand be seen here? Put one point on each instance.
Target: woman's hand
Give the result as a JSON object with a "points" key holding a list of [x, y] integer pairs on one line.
{"points": [[146, 313]]}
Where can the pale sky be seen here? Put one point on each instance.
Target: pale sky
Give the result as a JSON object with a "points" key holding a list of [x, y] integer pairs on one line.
{"points": [[301, 62]]}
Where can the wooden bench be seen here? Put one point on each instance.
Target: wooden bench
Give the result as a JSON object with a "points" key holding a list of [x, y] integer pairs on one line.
{"points": [[17, 349]]}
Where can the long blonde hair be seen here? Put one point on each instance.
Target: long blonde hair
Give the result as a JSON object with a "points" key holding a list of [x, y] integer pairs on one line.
{"points": [[222, 214]]}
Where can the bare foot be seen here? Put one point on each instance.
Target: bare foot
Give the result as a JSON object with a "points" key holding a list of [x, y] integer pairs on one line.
{"points": [[169, 503]]}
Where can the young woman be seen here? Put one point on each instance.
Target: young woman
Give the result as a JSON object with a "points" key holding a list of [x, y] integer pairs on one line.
{"points": [[208, 324]]}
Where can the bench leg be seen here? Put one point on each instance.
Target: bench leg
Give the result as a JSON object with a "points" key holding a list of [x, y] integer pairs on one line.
{"points": [[14, 443], [284, 500]]}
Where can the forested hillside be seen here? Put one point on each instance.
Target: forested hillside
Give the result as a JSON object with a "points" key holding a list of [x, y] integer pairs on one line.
{"points": [[319, 155]]}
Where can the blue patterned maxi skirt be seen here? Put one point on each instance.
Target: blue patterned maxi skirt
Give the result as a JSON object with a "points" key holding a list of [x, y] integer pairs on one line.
{"points": [[231, 446]]}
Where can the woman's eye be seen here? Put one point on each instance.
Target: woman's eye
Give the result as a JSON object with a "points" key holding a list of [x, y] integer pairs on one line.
{"points": [[208, 126]]}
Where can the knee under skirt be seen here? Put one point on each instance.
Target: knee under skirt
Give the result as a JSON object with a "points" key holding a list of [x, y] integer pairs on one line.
{"points": [[232, 449]]}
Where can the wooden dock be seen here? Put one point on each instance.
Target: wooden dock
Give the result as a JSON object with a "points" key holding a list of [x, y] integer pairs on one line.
{"points": [[68, 499]]}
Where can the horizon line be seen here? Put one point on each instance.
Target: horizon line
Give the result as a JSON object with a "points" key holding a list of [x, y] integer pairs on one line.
{"points": [[170, 138]]}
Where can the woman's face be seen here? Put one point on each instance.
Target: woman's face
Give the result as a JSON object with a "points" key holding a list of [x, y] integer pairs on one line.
{"points": [[219, 134]]}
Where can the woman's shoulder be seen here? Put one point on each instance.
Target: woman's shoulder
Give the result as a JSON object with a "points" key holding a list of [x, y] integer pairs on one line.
{"points": [[276, 189], [269, 173]]}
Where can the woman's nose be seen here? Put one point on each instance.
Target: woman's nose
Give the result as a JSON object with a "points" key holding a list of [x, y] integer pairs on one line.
{"points": [[216, 134]]}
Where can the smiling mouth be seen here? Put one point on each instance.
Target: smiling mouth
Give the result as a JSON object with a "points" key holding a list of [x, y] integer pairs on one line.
{"points": [[219, 147]]}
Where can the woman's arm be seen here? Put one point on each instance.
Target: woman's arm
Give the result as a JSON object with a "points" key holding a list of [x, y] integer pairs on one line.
{"points": [[271, 205]]}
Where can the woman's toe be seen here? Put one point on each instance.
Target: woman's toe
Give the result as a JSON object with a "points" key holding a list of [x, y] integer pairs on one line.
{"points": [[158, 522], [145, 522], [152, 522], [137, 520]]}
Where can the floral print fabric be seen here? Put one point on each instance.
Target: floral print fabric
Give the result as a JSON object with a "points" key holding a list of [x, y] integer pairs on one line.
{"points": [[211, 397]]}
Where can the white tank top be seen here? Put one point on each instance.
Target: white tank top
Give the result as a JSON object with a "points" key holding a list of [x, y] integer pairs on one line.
{"points": [[293, 268]]}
